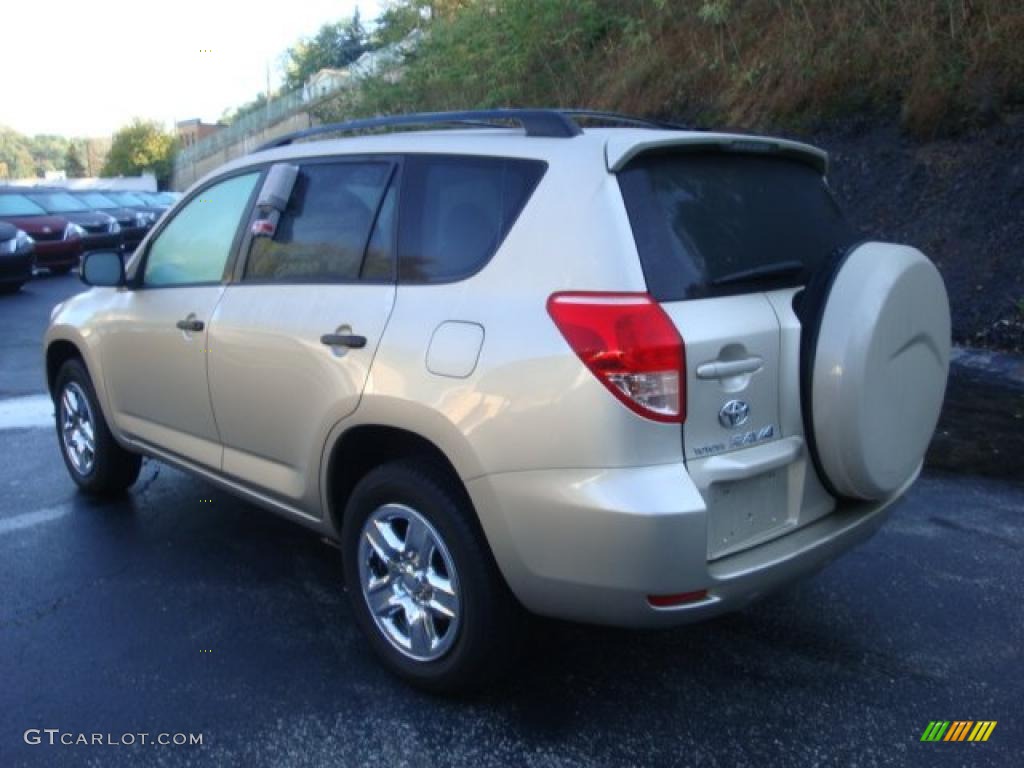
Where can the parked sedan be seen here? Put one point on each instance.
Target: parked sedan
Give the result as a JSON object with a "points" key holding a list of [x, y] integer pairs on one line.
{"points": [[58, 242], [136, 203], [155, 199], [102, 232], [16, 249], [134, 224]]}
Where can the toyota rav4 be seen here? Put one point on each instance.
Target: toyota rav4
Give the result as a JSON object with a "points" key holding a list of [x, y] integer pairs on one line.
{"points": [[621, 373]]}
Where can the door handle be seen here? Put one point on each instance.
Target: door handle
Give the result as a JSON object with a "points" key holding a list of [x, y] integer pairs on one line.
{"points": [[343, 340], [723, 369], [190, 326]]}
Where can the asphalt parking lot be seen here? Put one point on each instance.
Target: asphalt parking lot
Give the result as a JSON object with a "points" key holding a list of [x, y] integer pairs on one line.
{"points": [[165, 613]]}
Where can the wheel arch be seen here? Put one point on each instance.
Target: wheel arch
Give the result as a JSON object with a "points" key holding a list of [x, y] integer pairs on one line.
{"points": [[361, 447]]}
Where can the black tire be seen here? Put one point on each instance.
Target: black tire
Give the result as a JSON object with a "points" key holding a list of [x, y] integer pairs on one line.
{"points": [[491, 621], [7, 288], [113, 469], [60, 270]]}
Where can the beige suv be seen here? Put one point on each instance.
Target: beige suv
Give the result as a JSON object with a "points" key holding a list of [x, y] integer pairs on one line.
{"points": [[630, 374]]}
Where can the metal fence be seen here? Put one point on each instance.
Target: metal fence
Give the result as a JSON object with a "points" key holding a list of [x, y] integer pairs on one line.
{"points": [[274, 111]]}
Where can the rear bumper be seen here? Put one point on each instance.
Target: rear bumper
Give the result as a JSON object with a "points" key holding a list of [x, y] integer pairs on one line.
{"points": [[591, 545], [58, 253], [15, 268]]}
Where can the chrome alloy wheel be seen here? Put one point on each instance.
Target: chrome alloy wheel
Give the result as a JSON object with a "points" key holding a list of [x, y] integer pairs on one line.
{"points": [[77, 428], [409, 582]]}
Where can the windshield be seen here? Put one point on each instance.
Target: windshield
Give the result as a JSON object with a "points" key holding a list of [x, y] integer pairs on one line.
{"points": [[127, 198], [96, 200], [712, 224], [19, 205], [58, 202]]}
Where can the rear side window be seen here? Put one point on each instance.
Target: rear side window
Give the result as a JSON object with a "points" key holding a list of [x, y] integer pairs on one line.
{"points": [[322, 235], [456, 211], [714, 224]]}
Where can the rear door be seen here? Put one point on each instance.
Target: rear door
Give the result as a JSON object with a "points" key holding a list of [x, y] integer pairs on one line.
{"points": [[726, 239], [293, 337]]}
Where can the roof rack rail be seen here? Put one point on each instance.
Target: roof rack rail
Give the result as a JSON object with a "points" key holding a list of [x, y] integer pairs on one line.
{"points": [[536, 122], [617, 118]]}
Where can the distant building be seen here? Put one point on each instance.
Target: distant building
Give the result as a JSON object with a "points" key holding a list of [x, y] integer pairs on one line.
{"points": [[324, 82], [191, 131]]}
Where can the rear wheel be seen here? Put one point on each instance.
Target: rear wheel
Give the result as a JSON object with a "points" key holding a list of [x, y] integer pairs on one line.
{"points": [[95, 461], [424, 587]]}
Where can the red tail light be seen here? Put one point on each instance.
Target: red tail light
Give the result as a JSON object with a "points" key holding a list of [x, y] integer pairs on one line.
{"points": [[630, 344]]}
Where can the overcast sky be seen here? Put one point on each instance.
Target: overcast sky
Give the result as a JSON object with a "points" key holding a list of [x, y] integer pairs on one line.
{"points": [[87, 67]]}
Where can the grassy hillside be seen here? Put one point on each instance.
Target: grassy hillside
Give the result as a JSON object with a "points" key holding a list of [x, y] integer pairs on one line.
{"points": [[943, 64]]}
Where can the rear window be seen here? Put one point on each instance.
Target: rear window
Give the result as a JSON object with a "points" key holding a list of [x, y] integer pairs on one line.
{"points": [[456, 211], [714, 224]]}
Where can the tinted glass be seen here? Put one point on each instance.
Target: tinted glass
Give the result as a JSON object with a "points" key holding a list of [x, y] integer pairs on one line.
{"points": [[127, 198], [322, 234], [195, 245], [379, 263], [456, 211], [19, 205], [713, 224], [96, 200], [58, 202]]}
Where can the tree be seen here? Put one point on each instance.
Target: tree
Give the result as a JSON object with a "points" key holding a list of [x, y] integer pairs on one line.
{"points": [[48, 152], [142, 146], [73, 165], [333, 46], [15, 155]]}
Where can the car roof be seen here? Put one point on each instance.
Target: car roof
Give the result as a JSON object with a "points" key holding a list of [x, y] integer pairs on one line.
{"points": [[614, 146]]}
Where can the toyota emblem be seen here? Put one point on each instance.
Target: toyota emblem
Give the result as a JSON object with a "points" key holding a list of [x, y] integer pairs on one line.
{"points": [[733, 414]]}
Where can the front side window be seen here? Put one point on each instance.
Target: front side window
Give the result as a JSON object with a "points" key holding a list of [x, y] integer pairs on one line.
{"points": [[456, 211], [322, 235], [195, 245]]}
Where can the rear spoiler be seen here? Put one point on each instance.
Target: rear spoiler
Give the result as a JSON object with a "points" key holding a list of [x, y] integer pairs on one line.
{"points": [[621, 149]]}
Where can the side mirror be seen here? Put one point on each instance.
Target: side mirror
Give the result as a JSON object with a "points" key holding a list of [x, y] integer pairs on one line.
{"points": [[277, 187], [103, 268]]}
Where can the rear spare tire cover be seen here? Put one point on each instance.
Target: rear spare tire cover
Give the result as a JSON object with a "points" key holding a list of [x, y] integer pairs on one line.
{"points": [[875, 361]]}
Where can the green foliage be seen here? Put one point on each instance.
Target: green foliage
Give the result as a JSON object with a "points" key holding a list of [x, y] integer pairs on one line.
{"points": [[757, 63], [73, 165], [141, 146], [16, 159], [30, 156], [334, 45]]}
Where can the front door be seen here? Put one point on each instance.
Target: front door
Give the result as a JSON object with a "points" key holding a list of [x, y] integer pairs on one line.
{"points": [[292, 340], [155, 345]]}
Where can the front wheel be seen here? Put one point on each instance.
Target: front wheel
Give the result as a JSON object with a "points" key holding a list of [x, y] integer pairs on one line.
{"points": [[95, 461], [424, 587]]}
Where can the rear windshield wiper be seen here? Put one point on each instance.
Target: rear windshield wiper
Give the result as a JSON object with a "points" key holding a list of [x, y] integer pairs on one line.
{"points": [[765, 271]]}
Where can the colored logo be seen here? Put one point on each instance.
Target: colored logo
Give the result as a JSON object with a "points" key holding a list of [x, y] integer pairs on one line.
{"points": [[958, 730]]}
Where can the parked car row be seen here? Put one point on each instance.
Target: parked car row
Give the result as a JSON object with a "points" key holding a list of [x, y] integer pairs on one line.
{"points": [[52, 227]]}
